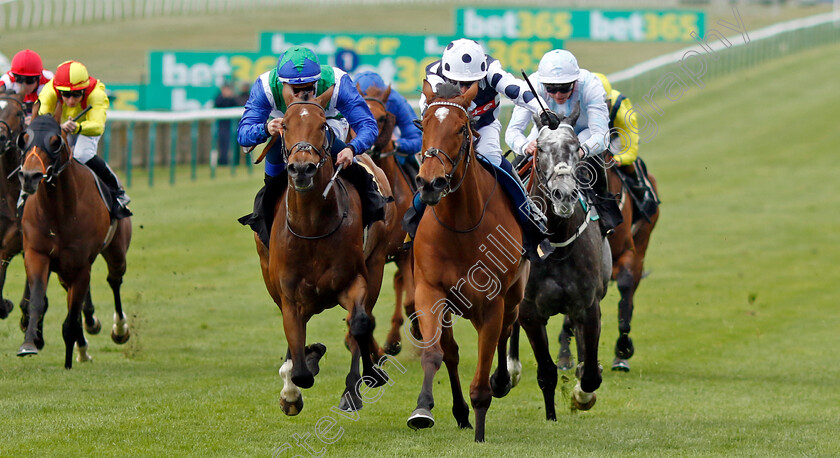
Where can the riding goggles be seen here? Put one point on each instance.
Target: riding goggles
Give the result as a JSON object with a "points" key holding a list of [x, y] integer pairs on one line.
{"points": [[563, 88], [71, 94], [26, 79]]}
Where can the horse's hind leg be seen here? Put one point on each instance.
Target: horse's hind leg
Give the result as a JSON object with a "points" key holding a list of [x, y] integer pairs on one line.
{"points": [[92, 323], [6, 306], [357, 303], [546, 370], [392, 342], [500, 381], [514, 365], [72, 328], [626, 287], [565, 360], [451, 358], [351, 399], [115, 257]]}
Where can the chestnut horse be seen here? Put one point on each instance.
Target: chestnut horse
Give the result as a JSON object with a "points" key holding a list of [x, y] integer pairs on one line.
{"points": [[316, 256], [65, 226], [382, 153], [468, 213], [628, 245], [12, 123], [574, 278]]}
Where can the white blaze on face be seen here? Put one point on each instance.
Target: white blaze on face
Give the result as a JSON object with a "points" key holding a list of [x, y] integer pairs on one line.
{"points": [[441, 113], [303, 112]]}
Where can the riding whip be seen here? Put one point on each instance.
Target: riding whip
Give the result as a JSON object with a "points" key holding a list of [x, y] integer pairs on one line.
{"points": [[332, 180]]}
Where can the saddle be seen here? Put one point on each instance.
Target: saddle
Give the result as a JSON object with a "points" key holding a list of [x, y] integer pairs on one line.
{"points": [[108, 196]]}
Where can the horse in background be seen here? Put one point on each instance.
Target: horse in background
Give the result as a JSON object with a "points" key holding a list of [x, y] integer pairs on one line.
{"points": [[317, 256], [383, 153], [573, 279], [12, 124], [469, 216], [628, 245], [66, 225]]}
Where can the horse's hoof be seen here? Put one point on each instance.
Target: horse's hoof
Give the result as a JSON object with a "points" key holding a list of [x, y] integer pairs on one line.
{"points": [[392, 348], [6, 308], [83, 356], [93, 328], [462, 416], [565, 363], [421, 419], [624, 347], [377, 378], [350, 402], [499, 390], [120, 339], [515, 370], [291, 408], [27, 349], [582, 400], [621, 365], [313, 354]]}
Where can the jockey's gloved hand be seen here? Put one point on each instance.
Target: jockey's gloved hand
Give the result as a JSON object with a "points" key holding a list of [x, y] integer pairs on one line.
{"points": [[550, 119]]}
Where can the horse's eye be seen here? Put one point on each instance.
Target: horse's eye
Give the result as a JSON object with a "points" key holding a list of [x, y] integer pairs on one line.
{"points": [[381, 119]]}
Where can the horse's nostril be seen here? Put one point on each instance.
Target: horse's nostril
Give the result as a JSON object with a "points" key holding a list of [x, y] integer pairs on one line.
{"points": [[310, 169], [439, 183], [419, 182], [292, 169]]}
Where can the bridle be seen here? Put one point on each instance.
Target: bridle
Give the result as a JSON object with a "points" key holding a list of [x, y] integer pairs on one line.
{"points": [[323, 152], [55, 167], [466, 146], [560, 169]]}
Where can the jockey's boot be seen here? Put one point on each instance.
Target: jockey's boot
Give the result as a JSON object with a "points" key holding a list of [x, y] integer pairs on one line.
{"points": [[535, 232], [263, 216], [600, 197], [101, 169], [373, 202], [411, 220], [644, 198]]}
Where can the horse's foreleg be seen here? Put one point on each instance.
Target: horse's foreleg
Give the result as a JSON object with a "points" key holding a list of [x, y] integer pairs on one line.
{"points": [[115, 257], [431, 325], [565, 361], [451, 358], [546, 370], [351, 399], [588, 332], [361, 323], [294, 325], [37, 274], [626, 281], [500, 381], [489, 331]]}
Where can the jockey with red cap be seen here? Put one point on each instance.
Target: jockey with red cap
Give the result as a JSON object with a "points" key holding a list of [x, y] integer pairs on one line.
{"points": [[27, 76]]}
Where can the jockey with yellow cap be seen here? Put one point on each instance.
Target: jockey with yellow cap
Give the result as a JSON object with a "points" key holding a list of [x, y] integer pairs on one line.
{"points": [[70, 92], [624, 146], [27, 76]]}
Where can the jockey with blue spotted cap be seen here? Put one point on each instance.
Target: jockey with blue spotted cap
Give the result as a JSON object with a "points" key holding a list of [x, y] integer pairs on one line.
{"points": [[300, 68], [561, 82], [407, 138], [463, 64]]}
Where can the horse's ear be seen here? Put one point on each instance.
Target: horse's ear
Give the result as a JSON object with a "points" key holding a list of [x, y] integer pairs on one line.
{"points": [[56, 143], [324, 99], [288, 94], [470, 94], [23, 139], [573, 116], [428, 91], [359, 88], [386, 94]]}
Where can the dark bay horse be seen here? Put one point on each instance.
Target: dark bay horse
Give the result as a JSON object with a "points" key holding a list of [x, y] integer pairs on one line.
{"points": [[66, 225], [467, 259], [316, 256], [574, 278], [12, 123], [628, 245], [383, 155]]}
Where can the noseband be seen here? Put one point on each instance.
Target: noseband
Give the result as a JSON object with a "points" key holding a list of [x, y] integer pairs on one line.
{"points": [[466, 144], [306, 146]]}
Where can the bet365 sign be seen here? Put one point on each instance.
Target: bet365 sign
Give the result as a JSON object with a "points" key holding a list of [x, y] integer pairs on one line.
{"points": [[593, 25]]}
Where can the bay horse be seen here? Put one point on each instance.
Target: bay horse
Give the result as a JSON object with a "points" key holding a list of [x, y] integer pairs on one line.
{"points": [[12, 123], [469, 213], [574, 278], [65, 226], [628, 245], [316, 256], [383, 155]]}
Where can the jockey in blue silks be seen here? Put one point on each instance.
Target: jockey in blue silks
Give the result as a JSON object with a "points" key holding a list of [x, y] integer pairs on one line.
{"points": [[299, 67], [464, 63], [407, 136]]}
